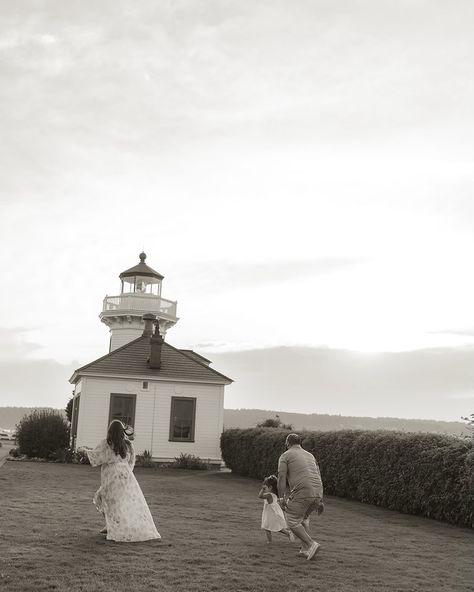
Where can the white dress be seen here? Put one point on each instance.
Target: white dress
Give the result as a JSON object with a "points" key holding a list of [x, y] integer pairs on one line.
{"points": [[273, 518], [119, 497]]}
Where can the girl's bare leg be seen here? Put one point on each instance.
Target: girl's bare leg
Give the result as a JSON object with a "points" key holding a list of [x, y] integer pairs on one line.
{"points": [[269, 536]]}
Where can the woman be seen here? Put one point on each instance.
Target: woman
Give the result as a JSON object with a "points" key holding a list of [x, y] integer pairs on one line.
{"points": [[119, 497]]}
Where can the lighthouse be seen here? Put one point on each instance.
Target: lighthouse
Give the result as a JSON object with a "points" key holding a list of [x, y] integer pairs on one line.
{"points": [[140, 294], [171, 397]]}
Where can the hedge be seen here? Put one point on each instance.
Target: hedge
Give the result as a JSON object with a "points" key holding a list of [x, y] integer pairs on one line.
{"points": [[415, 473]]}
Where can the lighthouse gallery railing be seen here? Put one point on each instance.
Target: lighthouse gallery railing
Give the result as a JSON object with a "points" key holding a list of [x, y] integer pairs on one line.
{"points": [[139, 302]]}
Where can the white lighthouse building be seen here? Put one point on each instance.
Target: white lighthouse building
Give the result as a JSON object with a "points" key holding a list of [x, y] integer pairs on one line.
{"points": [[140, 293], [171, 397]]}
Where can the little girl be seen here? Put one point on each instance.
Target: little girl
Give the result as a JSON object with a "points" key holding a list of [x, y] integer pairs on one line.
{"points": [[273, 519]]}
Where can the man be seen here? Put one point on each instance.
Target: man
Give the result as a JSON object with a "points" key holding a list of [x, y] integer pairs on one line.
{"points": [[299, 468]]}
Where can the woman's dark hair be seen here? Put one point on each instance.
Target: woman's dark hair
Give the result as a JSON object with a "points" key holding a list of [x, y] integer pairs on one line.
{"points": [[272, 483], [116, 438]]}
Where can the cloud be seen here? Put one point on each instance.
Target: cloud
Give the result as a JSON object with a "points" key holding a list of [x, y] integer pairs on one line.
{"points": [[467, 332], [286, 132], [430, 384], [35, 383], [233, 275], [27, 381], [13, 344], [48, 39], [463, 395], [318, 73]]}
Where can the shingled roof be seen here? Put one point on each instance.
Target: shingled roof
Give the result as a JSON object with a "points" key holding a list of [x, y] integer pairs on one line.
{"points": [[196, 356], [132, 360], [141, 269]]}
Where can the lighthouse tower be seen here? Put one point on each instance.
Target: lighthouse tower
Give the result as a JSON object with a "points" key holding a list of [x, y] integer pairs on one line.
{"points": [[140, 294]]}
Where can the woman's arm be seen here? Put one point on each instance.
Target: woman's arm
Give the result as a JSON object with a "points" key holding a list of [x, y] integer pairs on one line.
{"points": [[131, 459], [98, 455]]}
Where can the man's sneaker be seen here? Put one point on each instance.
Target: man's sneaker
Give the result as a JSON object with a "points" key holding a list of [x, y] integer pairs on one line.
{"points": [[312, 551], [302, 552]]}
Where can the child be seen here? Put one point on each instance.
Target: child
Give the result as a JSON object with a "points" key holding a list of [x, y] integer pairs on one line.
{"points": [[273, 519]]}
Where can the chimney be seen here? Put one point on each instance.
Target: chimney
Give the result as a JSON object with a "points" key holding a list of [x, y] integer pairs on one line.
{"points": [[156, 342], [148, 318]]}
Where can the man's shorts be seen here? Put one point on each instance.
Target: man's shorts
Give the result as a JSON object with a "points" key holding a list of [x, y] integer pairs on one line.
{"points": [[299, 508]]}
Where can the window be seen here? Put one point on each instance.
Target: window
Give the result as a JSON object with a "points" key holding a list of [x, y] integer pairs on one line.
{"points": [[145, 385], [183, 418], [122, 407]]}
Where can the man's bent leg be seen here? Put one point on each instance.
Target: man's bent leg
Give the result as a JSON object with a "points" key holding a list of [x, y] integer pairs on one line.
{"points": [[304, 537], [296, 514], [312, 507]]}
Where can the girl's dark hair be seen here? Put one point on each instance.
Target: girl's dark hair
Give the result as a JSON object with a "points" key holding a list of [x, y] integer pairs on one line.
{"points": [[272, 483], [116, 438]]}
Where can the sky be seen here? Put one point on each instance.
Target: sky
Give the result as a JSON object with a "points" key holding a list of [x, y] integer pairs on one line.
{"points": [[300, 172]]}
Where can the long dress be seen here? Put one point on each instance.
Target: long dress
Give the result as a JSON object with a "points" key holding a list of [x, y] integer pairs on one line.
{"points": [[273, 518], [119, 497]]}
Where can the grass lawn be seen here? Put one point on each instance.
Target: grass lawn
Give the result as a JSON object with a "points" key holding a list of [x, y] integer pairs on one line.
{"points": [[210, 524], [4, 448]]}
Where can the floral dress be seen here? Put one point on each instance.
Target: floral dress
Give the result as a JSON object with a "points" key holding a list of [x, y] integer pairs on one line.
{"points": [[119, 497]]}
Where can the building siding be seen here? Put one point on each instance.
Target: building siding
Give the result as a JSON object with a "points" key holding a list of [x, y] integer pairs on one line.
{"points": [[122, 335], [152, 415]]}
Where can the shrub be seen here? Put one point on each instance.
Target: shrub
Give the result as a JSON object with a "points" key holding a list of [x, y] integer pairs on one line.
{"points": [[144, 459], [81, 456], [269, 423], [41, 433], [14, 452], [415, 473], [274, 422], [64, 455], [189, 461]]}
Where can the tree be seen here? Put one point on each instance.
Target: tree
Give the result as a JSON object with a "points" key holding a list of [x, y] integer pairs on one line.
{"points": [[274, 423], [469, 422], [68, 409]]}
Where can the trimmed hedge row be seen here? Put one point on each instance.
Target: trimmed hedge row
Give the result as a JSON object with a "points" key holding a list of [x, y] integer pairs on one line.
{"points": [[415, 473]]}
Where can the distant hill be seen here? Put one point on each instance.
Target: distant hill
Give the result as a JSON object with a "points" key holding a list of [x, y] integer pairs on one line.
{"points": [[248, 418], [10, 416]]}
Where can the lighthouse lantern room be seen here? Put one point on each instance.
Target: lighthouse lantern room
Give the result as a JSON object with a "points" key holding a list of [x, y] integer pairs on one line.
{"points": [[140, 294]]}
